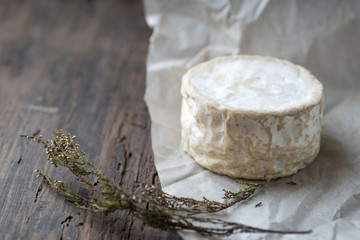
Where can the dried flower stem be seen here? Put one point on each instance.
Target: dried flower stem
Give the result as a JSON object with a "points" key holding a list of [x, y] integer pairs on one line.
{"points": [[153, 206]]}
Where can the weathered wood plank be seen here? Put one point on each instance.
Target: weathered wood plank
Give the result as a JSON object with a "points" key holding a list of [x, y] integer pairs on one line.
{"points": [[80, 66]]}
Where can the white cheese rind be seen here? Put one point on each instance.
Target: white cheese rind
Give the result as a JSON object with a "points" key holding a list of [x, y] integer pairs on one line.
{"points": [[256, 143]]}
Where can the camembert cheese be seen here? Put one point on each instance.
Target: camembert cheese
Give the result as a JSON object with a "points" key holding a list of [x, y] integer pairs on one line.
{"points": [[251, 117]]}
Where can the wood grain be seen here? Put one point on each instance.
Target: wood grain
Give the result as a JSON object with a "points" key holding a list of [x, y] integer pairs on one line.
{"points": [[79, 66]]}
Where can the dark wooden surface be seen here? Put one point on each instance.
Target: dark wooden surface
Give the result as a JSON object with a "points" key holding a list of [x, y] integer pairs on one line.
{"points": [[79, 66]]}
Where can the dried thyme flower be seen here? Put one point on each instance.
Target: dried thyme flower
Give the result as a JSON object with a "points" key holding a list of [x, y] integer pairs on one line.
{"points": [[153, 206]]}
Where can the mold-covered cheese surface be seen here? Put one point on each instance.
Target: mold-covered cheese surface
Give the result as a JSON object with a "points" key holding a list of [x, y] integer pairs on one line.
{"points": [[251, 117]]}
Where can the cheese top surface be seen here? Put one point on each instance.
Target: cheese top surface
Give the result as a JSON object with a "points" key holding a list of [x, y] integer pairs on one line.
{"points": [[254, 83]]}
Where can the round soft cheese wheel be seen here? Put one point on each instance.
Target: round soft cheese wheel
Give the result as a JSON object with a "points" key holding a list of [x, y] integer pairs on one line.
{"points": [[251, 117]]}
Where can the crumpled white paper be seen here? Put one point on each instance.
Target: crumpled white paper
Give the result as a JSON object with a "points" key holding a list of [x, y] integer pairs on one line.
{"points": [[324, 37]]}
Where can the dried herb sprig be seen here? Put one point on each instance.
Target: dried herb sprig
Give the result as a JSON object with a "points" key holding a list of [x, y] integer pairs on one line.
{"points": [[153, 206]]}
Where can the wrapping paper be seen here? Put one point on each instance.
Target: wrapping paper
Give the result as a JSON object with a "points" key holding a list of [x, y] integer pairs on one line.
{"points": [[322, 36]]}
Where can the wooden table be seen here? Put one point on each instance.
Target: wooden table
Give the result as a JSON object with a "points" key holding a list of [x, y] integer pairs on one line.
{"points": [[79, 66]]}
